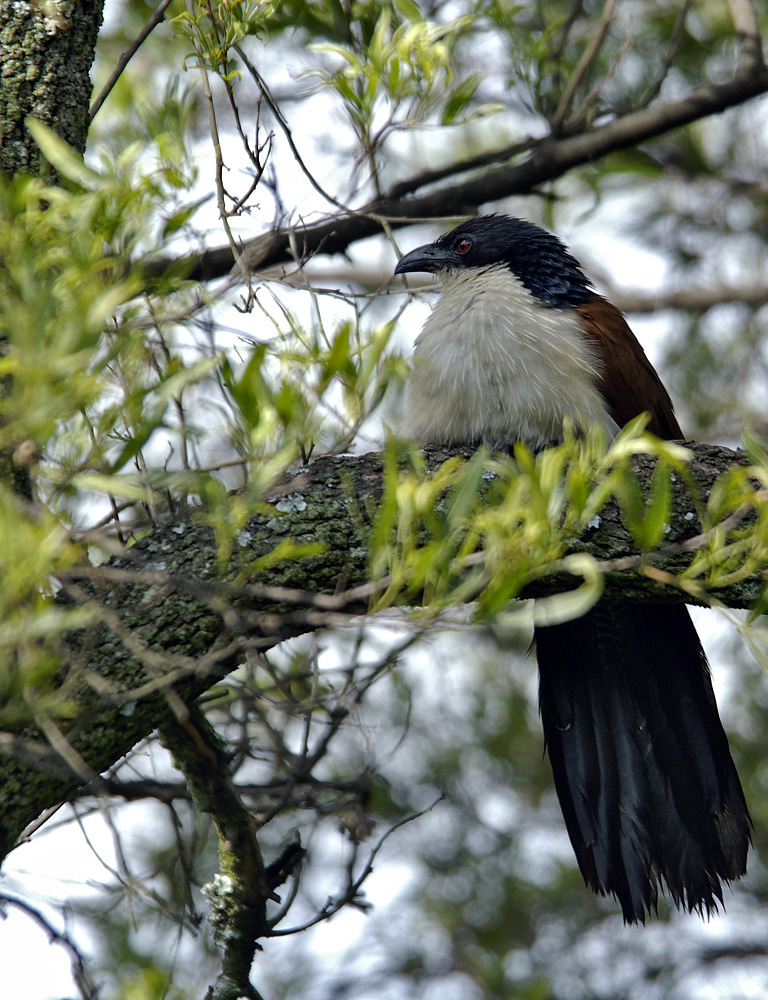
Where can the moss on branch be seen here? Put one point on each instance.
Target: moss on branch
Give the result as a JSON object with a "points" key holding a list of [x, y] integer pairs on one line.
{"points": [[166, 625]]}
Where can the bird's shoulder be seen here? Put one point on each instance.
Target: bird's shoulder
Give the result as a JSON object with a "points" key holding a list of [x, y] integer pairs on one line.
{"points": [[628, 381]]}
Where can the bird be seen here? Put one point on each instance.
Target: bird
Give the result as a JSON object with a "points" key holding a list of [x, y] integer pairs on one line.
{"points": [[518, 344]]}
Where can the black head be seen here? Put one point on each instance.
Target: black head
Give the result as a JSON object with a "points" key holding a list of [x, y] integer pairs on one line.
{"points": [[536, 257]]}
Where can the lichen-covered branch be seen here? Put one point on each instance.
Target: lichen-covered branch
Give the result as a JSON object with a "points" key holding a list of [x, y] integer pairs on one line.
{"points": [[238, 893], [166, 625]]}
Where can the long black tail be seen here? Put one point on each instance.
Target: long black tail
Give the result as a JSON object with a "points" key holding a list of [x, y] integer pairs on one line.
{"points": [[642, 768]]}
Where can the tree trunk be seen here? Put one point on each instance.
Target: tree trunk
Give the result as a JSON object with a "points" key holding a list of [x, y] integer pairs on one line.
{"points": [[47, 52]]}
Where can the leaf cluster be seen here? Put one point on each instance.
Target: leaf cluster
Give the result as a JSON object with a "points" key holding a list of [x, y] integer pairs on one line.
{"points": [[498, 527], [406, 68], [109, 394]]}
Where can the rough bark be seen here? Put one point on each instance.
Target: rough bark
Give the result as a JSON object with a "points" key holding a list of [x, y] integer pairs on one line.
{"points": [[47, 52], [168, 625]]}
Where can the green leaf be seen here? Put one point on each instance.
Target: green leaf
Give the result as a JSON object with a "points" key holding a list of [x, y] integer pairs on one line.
{"points": [[338, 360], [378, 45], [61, 156], [113, 486], [410, 11], [179, 218], [760, 606], [630, 498], [459, 98], [463, 497], [635, 161], [571, 604], [658, 505], [754, 448]]}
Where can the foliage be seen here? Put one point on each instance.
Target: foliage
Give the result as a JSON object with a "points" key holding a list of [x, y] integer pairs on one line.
{"points": [[491, 544], [132, 392]]}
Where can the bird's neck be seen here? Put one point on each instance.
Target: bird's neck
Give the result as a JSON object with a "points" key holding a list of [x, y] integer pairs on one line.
{"points": [[493, 363]]}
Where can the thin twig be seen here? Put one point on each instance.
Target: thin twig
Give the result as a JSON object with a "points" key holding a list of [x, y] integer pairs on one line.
{"points": [[85, 984], [218, 156], [561, 39], [581, 114], [346, 703], [678, 33], [214, 593], [64, 748], [582, 67], [275, 109], [353, 889], [405, 187], [126, 57]]}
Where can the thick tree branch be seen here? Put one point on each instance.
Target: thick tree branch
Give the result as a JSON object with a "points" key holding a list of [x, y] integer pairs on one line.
{"points": [[239, 893], [546, 161], [166, 627]]}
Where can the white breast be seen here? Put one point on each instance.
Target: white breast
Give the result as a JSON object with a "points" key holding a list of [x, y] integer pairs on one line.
{"points": [[495, 364]]}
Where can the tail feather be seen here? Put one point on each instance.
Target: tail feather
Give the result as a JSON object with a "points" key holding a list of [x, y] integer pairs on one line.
{"points": [[641, 763]]}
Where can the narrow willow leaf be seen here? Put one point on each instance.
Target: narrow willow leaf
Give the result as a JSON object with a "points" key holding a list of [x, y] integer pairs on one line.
{"points": [[658, 505], [61, 156]]}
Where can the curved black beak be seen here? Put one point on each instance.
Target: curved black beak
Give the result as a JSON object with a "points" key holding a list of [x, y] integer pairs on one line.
{"points": [[430, 257]]}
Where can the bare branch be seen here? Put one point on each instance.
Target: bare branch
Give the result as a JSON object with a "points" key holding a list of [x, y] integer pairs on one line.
{"points": [[126, 57], [239, 898], [85, 984], [547, 160], [581, 69], [694, 299], [168, 791]]}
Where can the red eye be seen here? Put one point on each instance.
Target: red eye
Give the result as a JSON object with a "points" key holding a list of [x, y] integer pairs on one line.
{"points": [[463, 245]]}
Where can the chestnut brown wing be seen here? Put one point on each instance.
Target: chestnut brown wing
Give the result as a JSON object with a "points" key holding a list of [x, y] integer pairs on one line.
{"points": [[628, 381]]}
